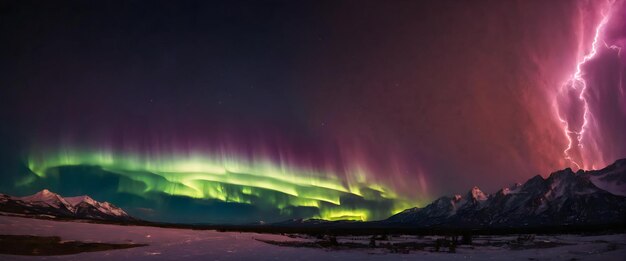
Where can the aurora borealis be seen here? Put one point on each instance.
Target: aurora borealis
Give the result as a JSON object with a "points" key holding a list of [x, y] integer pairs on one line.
{"points": [[247, 111], [228, 179]]}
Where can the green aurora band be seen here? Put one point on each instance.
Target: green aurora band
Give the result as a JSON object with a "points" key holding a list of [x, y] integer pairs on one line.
{"points": [[226, 178]]}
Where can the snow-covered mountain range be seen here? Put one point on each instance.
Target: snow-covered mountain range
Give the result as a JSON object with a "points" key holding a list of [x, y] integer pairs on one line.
{"points": [[564, 198], [49, 203]]}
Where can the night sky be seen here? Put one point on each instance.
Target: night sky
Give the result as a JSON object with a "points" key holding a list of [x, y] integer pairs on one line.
{"points": [[241, 111]]}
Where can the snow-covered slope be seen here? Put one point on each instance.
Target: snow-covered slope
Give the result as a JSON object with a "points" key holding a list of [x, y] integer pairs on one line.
{"points": [[86, 207], [50, 203], [611, 178]]}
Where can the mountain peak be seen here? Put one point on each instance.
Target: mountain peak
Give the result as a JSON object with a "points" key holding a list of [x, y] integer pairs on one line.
{"points": [[79, 199], [510, 189], [562, 174], [45, 195], [477, 194], [534, 183], [620, 162]]}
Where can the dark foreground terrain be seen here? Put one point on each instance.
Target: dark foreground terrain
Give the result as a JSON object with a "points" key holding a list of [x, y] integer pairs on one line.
{"points": [[48, 246]]}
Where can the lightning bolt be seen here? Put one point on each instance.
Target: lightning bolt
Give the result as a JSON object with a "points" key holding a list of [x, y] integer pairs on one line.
{"points": [[577, 83]]}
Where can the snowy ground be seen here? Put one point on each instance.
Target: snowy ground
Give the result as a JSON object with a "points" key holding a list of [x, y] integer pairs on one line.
{"points": [[184, 244]]}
